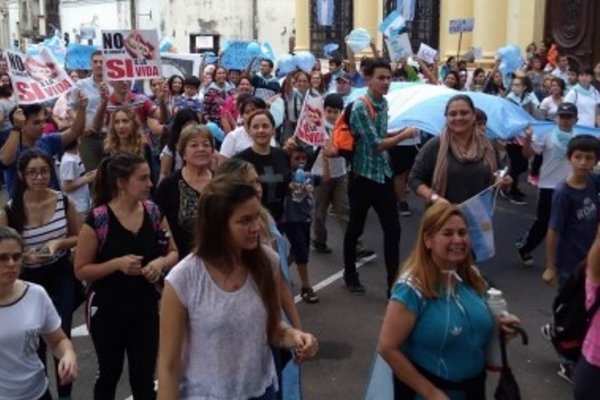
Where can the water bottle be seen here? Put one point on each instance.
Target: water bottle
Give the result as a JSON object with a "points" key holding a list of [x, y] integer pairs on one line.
{"points": [[497, 305], [298, 181]]}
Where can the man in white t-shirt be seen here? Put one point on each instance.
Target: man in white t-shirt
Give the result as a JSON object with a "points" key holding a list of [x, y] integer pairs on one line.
{"points": [[555, 168]]}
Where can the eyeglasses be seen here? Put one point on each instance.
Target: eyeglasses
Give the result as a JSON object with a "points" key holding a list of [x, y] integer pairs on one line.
{"points": [[34, 173], [16, 257]]}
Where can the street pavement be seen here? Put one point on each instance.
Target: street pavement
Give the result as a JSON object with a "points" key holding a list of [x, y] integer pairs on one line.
{"points": [[347, 326]]}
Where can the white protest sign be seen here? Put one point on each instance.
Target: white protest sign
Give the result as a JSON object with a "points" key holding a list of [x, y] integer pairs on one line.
{"points": [[38, 78], [427, 53], [311, 123], [462, 25], [399, 46], [130, 54]]}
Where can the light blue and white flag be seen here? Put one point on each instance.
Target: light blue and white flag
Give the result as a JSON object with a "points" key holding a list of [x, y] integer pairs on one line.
{"points": [[479, 210], [393, 24], [325, 11], [407, 8]]}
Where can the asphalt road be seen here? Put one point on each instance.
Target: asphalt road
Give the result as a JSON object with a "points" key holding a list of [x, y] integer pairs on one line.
{"points": [[347, 326]]}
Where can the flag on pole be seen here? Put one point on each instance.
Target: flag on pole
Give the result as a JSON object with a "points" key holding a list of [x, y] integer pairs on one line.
{"points": [[478, 211], [406, 8], [393, 24]]}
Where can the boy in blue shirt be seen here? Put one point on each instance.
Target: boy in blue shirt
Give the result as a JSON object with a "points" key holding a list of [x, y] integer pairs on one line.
{"points": [[574, 216], [573, 221]]}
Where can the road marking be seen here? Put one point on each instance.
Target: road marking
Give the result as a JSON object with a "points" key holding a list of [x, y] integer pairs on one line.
{"points": [[81, 330]]}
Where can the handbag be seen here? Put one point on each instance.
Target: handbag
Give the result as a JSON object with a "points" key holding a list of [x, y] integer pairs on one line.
{"points": [[508, 389]]}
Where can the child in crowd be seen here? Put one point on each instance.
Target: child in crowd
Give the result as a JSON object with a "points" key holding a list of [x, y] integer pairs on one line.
{"points": [[75, 181], [334, 192], [573, 220], [298, 215], [190, 97]]}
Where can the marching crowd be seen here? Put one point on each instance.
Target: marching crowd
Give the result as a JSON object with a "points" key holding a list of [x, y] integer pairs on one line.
{"points": [[174, 216]]}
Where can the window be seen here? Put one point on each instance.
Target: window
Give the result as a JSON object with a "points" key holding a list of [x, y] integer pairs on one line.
{"points": [[336, 32], [425, 28]]}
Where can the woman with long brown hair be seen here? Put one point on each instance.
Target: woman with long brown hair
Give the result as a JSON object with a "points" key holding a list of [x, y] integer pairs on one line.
{"points": [[221, 306], [459, 163]]}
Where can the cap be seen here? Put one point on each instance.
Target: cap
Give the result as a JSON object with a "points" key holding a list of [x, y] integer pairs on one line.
{"points": [[345, 76], [567, 109]]}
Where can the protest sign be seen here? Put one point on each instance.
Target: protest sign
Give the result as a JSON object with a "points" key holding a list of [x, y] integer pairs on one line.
{"points": [[79, 56], [234, 55], [427, 53], [180, 64], [130, 54], [461, 25], [37, 78], [311, 126], [399, 46]]}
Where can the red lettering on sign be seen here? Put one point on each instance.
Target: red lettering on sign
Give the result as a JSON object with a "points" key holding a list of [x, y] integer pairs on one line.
{"points": [[119, 69]]}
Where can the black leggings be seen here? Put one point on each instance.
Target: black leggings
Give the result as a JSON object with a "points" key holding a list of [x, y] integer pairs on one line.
{"points": [[537, 232], [586, 380], [118, 329], [518, 163]]}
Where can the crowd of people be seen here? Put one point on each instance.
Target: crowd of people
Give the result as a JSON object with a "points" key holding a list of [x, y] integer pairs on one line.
{"points": [[175, 215]]}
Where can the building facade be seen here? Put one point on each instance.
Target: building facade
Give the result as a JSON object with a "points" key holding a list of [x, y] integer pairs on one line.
{"points": [[496, 23]]}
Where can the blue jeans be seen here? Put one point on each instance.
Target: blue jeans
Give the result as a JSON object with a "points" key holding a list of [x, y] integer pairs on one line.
{"points": [[586, 380]]}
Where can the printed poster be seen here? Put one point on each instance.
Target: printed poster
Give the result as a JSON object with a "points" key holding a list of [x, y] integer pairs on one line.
{"points": [[399, 46], [37, 78], [130, 54], [311, 123]]}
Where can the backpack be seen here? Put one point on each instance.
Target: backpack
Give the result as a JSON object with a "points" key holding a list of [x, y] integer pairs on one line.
{"points": [[342, 138], [101, 220], [571, 319]]}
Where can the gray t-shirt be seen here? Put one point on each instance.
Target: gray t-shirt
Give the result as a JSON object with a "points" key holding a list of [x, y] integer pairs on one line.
{"points": [[226, 351], [465, 180], [5, 107]]}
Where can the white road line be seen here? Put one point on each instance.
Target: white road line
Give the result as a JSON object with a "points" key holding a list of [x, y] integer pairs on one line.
{"points": [[81, 330]]}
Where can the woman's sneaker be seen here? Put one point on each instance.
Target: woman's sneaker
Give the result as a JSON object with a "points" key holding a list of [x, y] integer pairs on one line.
{"points": [[321, 247], [308, 295]]}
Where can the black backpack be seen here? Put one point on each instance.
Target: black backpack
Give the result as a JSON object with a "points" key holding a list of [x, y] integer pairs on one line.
{"points": [[571, 319]]}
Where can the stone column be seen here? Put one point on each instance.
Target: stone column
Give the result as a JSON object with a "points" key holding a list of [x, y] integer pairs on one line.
{"points": [[302, 25], [449, 10], [367, 14], [490, 26]]}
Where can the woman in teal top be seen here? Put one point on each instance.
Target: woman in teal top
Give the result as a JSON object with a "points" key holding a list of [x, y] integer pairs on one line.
{"points": [[437, 325]]}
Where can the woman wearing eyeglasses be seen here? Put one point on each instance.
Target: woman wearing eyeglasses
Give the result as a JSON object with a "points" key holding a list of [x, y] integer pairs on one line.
{"points": [[48, 222]]}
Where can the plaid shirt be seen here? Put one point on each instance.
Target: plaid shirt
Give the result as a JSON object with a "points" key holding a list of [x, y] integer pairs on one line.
{"points": [[367, 161]]}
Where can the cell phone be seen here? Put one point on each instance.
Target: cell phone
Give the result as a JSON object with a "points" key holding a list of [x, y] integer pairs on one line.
{"points": [[43, 253]]}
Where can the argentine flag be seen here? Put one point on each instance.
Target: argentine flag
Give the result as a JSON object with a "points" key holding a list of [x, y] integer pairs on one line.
{"points": [[407, 8], [478, 211], [393, 24]]}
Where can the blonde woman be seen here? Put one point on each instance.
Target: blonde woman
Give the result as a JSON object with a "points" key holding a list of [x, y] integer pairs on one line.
{"points": [[125, 134]]}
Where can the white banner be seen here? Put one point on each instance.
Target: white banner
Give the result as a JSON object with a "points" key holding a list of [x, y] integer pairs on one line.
{"points": [[427, 53], [311, 123], [130, 54], [38, 78]]}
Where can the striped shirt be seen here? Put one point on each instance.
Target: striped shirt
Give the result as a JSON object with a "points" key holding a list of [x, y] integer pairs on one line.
{"points": [[367, 161], [36, 237]]}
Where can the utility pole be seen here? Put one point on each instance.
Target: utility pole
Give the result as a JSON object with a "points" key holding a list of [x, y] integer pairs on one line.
{"points": [[133, 14]]}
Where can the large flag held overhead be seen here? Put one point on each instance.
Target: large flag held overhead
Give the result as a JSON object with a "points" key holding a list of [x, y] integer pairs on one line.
{"points": [[479, 210]]}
